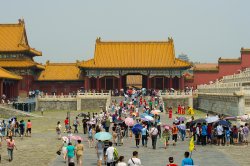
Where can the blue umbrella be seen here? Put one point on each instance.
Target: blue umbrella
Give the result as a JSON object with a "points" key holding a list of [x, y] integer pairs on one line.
{"points": [[103, 136], [137, 128], [224, 123]]}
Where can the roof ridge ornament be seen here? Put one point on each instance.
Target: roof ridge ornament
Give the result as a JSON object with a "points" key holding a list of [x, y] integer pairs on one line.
{"points": [[98, 40]]}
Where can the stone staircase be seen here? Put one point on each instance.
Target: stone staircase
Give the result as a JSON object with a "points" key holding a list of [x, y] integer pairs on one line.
{"points": [[10, 112]]}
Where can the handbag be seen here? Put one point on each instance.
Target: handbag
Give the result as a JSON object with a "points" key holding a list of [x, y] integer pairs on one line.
{"points": [[58, 152]]}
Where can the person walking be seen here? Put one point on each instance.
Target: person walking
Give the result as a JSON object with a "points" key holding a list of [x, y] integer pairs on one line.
{"points": [[79, 152], [121, 161], [182, 128], [137, 139], [204, 134], [144, 134], [70, 153], [174, 134], [84, 125], [58, 130], [110, 155], [245, 133], [171, 162], [99, 151], [75, 124], [134, 160], [10, 147], [165, 137], [28, 130], [66, 123], [154, 133], [187, 160], [219, 130], [170, 113], [22, 128]]}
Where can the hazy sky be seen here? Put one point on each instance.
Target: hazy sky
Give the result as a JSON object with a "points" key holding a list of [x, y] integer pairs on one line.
{"points": [[66, 30]]}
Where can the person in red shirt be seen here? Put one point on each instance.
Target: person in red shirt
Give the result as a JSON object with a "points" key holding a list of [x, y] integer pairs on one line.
{"points": [[171, 162], [179, 109], [170, 113], [209, 132], [66, 123]]}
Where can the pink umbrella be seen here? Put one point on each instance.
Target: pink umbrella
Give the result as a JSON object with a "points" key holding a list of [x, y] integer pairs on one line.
{"points": [[129, 121], [75, 137], [167, 127]]}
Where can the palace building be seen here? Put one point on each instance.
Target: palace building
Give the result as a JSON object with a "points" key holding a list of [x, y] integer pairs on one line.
{"points": [[115, 65]]}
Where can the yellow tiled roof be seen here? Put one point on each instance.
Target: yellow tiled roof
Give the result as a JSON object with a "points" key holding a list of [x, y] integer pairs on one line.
{"points": [[228, 60], [60, 72], [8, 75], [134, 55], [8, 63], [206, 67], [13, 38]]}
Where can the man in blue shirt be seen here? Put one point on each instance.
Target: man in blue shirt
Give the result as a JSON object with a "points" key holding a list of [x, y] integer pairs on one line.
{"points": [[187, 161], [144, 133]]}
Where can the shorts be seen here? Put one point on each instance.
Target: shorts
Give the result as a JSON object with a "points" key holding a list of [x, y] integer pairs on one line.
{"points": [[174, 137], [235, 135], [100, 156], [219, 136], [28, 130]]}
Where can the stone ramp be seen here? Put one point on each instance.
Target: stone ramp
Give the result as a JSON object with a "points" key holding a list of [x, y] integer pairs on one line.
{"points": [[14, 112]]}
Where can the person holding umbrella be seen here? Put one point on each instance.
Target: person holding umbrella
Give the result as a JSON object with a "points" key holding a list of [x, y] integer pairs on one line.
{"points": [[99, 150], [137, 138]]}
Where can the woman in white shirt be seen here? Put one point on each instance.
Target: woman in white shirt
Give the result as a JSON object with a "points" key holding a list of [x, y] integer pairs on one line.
{"points": [[121, 161]]}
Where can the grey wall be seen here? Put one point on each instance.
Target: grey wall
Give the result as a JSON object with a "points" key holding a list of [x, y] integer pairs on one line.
{"points": [[57, 105], [228, 105]]}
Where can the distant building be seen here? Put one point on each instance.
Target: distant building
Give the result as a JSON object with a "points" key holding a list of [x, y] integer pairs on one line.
{"points": [[183, 57]]}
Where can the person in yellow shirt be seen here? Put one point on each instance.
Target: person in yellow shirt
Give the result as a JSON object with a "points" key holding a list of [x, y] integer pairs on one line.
{"points": [[190, 111]]}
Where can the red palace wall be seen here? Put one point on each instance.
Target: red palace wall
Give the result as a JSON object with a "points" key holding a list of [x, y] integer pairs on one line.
{"points": [[204, 77], [65, 87]]}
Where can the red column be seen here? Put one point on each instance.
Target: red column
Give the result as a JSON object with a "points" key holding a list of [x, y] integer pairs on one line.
{"points": [[86, 86], [1, 87], [182, 83], [120, 83], [170, 82], [98, 84], [148, 82]]}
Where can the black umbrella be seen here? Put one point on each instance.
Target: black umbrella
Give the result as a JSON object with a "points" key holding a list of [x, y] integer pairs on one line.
{"points": [[201, 120], [224, 123]]}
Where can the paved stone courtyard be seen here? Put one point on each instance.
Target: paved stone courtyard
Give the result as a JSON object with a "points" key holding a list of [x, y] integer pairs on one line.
{"points": [[203, 156]]}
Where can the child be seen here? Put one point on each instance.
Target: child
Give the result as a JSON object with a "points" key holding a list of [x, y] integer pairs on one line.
{"points": [[171, 162]]}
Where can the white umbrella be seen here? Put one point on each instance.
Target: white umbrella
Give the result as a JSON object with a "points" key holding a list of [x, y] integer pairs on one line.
{"points": [[212, 119], [149, 118]]}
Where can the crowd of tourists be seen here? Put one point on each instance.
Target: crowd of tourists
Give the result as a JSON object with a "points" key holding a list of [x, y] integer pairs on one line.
{"points": [[12, 128], [139, 115]]}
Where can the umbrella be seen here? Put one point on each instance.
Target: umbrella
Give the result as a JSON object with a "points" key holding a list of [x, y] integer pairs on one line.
{"points": [[244, 117], [129, 121], [144, 119], [201, 120], [224, 123], [230, 118], [103, 136], [75, 137], [143, 115], [118, 121], [212, 119], [90, 122], [64, 138], [149, 118], [137, 128], [154, 112], [181, 118], [167, 127]]}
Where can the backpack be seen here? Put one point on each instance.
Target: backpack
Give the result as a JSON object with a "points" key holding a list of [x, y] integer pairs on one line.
{"points": [[116, 155]]}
